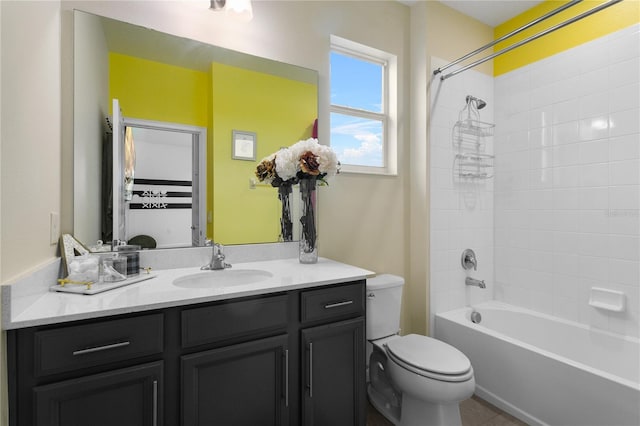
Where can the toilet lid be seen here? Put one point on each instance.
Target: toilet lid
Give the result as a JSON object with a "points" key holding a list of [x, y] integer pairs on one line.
{"points": [[427, 355]]}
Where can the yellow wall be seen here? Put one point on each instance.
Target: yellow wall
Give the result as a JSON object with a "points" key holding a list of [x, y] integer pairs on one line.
{"points": [[451, 34], [614, 18], [281, 112], [144, 89]]}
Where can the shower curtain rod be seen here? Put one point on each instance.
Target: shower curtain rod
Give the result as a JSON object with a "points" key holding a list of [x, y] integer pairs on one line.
{"points": [[532, 38], [509, 35]]}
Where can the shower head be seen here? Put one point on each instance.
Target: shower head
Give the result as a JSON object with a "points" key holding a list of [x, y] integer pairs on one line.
{"points": [[479, 102]]}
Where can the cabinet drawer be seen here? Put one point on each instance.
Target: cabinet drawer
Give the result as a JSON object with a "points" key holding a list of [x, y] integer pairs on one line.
{"points": [[88, 345], [333, 302], [254, 317]]}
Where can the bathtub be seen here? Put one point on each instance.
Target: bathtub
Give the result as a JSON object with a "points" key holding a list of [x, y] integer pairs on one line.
{"points": [[546, 370]]}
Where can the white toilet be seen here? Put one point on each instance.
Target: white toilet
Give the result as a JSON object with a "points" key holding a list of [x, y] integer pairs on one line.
{"points": [[413, 380]]}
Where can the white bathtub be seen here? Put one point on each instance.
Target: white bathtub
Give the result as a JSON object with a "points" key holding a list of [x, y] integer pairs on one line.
{"points": [[545, 370]]}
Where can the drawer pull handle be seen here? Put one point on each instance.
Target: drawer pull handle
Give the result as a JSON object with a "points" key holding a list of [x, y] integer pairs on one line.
{"points": [[338, 304], [310, 386], [101, 348], [286, 377], [155, 403]]}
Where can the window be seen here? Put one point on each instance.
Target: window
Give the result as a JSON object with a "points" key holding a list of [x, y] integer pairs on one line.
{"points": [[363, 107]]}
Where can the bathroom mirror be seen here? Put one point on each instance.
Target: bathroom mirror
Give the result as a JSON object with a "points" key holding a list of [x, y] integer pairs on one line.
{"points": [[162, 78]]}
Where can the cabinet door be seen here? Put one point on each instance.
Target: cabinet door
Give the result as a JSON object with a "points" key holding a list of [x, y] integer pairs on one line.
{"points": [[130, 396], [239, 385], [334, 374]]}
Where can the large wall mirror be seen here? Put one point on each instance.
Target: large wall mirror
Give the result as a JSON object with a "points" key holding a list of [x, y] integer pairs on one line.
{"points": [[180, 100]]}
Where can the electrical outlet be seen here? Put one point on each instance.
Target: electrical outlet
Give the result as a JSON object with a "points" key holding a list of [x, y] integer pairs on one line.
{"points": [[54, 227]]}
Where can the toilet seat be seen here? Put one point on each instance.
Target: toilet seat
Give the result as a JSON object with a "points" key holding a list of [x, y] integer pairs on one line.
{"points": [[429, 358]]}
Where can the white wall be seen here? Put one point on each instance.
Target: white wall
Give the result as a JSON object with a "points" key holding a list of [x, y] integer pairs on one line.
{"points": [[567, 186], [31, 133], [4, 416], [91, 108], [461, 209], [30, 157]]}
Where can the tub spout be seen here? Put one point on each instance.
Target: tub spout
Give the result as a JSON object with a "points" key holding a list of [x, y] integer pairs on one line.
{"points": [[474, 282]]}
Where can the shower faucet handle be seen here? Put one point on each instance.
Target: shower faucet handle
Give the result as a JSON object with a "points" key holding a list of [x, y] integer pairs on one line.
{"points": [[469, 260]]}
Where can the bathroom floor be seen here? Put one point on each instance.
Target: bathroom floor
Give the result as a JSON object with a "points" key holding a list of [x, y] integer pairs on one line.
{"points": [[474, 412]]}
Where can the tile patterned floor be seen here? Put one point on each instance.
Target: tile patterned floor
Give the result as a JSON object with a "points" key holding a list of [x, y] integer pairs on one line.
{"points": [[474, 412]]}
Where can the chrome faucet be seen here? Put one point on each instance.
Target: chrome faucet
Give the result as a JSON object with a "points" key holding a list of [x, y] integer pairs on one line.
{"points": [[217, 259], [474, 282]]}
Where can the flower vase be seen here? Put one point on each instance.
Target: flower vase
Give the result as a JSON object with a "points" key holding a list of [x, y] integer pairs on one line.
{"points": [[286, 225], [308, 239]]}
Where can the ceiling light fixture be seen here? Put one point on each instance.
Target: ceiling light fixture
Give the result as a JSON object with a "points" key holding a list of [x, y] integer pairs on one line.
{"points": [[240, 9], [217, 4]]}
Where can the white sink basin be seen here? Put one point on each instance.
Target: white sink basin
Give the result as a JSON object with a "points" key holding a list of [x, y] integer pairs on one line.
{"points": [[222, 278]]}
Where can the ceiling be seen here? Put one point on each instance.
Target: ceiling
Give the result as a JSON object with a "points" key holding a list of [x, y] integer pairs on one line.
{"points": [[490, 12]]}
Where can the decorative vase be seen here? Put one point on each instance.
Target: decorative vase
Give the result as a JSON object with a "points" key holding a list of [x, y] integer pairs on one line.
{"points": [[286, 225], [308, 239]]}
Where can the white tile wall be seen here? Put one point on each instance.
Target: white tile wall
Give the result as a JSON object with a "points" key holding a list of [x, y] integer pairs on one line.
{"points": [[567, 185], [461, 212]]}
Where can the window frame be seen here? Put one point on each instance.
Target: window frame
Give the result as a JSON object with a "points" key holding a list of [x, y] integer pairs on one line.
{"points": [[388, 114]]}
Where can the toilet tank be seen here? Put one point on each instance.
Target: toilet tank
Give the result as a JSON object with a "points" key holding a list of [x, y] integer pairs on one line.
{"points": [[384, 298]]}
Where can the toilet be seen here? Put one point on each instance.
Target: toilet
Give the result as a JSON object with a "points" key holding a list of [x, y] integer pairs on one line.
{"points": [[413, 380]]}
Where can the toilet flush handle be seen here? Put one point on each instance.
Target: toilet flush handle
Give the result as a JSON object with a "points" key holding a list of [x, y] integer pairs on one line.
{"points": [[371, 295]]}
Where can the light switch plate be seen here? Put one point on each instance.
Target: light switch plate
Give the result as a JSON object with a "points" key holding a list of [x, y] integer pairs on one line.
{"points": [[54, 227]]}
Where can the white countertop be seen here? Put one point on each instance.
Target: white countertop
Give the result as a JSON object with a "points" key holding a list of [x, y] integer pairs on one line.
{"points": [[160, 292]]}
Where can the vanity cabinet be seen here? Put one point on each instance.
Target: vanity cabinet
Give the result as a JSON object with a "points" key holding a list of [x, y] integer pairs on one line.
{"points": [[334, 374], [121, 397], [244, 384], [333, 366], [283, 359], [96, 372]]}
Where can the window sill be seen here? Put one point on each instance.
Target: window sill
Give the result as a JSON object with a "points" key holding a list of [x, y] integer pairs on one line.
{"points": [[363, 170]]}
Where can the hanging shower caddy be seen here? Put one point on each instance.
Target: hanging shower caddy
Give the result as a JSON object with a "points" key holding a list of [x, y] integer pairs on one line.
{"points": [[470, 135]]}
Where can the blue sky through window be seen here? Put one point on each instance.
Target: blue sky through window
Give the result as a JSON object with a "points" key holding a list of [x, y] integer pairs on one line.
{"points": [[357, 141], [356, 83]]}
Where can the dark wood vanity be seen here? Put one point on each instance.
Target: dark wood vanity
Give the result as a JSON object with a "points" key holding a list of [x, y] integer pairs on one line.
{"points": [[287, 358]]}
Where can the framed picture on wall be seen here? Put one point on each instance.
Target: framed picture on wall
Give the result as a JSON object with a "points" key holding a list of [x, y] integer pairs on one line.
{"points": [[243, 145]]}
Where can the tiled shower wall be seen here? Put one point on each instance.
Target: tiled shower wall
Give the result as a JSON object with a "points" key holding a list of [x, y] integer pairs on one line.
{"points": [[461, 210], [567, 184]]}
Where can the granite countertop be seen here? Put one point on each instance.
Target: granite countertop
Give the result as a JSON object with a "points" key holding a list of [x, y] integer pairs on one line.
{"points": [[48, 307]]}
